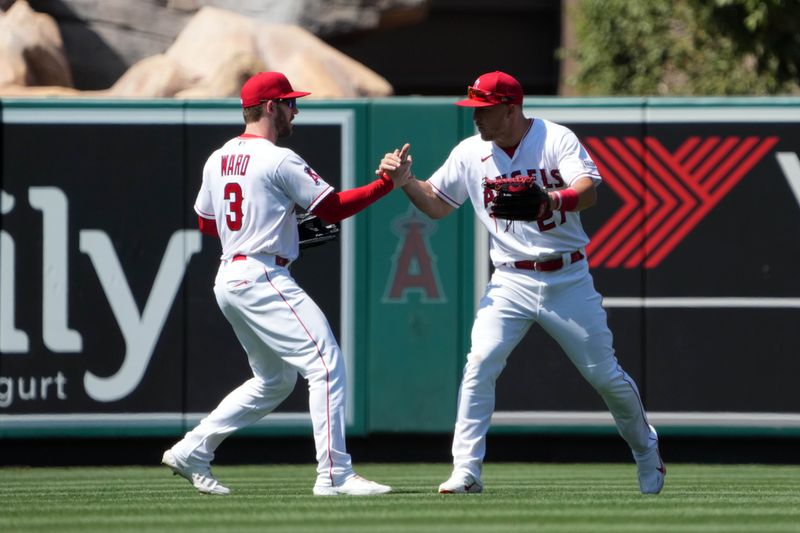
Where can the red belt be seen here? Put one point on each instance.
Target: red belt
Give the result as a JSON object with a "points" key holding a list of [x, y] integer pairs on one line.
{"points": [[279, 261], [548, 266]]}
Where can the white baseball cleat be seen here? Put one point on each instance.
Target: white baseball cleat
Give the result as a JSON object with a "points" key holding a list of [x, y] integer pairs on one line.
{"points": [[355, 486], [650, 469], [651, 472], [461, 483], [198, 475]]}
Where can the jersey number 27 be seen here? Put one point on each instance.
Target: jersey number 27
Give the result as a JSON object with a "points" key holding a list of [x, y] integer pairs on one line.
{"points": [[233, 211]]}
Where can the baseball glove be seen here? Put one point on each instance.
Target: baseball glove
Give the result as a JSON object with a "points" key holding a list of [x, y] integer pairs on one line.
{"points": [[313, 231], [517, 198]]}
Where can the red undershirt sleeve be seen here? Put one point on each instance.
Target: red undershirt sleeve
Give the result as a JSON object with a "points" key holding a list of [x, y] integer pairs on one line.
{"points": [[340, 205], [208, 226]]}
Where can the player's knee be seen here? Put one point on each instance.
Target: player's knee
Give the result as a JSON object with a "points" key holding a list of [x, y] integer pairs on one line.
{"points": [[482, 366], [330, 374], [602, 376], [286, 384], [276, 385]]}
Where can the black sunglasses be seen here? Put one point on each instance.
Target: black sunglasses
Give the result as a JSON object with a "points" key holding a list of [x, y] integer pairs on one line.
{"points": [[291, 102]]}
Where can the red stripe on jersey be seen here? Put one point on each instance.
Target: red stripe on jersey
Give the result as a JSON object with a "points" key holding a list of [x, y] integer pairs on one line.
{"points": [[313, 205], [444, 196], [202, 213]]}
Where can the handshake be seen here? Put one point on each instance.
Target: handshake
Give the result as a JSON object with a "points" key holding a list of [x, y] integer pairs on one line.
{"points": [[313, 231], [397, 166]]}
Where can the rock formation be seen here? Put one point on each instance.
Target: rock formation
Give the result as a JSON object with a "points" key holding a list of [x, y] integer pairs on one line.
{"points": [[189, 48]]}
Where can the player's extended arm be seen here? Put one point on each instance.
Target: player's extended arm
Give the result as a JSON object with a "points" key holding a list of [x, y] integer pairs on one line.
{"points": [[340, 205], [398, 165], [424, 198]]}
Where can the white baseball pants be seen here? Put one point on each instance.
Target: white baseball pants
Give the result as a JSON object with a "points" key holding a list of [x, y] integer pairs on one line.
{"points": [[283, 332], [568, 308]]}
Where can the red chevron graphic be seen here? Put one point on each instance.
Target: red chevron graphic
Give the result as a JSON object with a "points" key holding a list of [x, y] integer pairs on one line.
{"points": [[623, 180], [664, 195]]}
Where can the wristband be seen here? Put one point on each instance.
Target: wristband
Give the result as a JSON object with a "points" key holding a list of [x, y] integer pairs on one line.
{"points": [[565, 200]]}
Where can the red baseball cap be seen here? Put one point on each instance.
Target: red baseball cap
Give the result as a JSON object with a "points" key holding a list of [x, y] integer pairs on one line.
{"points": [[267, 86], [491, 89]]}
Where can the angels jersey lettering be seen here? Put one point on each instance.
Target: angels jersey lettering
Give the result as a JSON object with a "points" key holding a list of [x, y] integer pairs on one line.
{"points": [[548, 152]]}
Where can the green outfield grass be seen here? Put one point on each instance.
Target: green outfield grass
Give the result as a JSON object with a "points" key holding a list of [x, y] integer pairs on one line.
{"points": [[518, 497]]}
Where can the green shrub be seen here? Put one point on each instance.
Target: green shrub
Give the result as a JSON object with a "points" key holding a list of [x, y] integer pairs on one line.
{"points": [[686, 47]]}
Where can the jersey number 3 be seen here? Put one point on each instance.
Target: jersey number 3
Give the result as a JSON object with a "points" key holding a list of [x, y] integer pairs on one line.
{"points": [[233, 211]]}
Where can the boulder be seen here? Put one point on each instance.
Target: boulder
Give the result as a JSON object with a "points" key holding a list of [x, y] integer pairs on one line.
{"points": [[13, 69], [228, 80], [42, 47], [26, 91], [106, 37], [218, 50], [211, 57], [310, 63], [212, 38], [157, 76]]}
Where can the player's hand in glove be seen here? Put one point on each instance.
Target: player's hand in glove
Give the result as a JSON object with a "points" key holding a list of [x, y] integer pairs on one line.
{"points": [[313, 231], [518, 198]]}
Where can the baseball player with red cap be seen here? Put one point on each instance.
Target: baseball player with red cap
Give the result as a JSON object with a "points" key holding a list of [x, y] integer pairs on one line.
{"points": [[247, 198], [541, 273]]}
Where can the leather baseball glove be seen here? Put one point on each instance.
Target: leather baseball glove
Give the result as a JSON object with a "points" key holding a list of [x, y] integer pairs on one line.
{"points": [[313, 231], [518, 198]]}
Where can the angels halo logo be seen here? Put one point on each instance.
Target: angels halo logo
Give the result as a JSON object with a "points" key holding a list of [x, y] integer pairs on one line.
{"points": [[314, 176]]}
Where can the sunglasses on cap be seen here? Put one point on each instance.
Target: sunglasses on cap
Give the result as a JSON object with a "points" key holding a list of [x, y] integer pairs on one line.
{"points": [[290, 102], [487, 96]]}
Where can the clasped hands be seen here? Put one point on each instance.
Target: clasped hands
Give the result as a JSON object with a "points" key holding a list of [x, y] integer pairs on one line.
{"points": [[397, 165]]}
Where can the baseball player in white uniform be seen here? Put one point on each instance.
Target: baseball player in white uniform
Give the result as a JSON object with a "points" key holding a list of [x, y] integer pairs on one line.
{"points": [[248, 195], [541, 271]]}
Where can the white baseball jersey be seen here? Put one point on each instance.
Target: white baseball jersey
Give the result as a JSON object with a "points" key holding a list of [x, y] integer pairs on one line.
{"points": [[563, 301], [250, 187], [550, 153]]}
